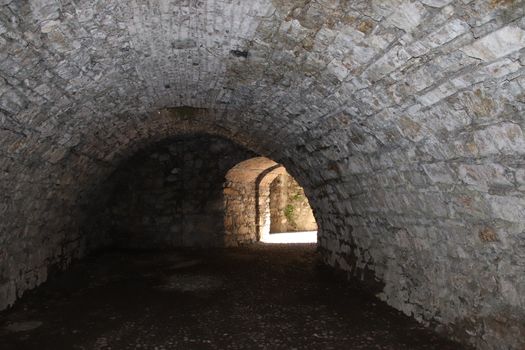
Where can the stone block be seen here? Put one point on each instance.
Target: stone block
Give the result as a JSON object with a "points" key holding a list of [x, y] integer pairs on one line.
{"points": [[440, 173], [497, 44], [436, 3], [407, 16], [483, 176], [507, 208]]}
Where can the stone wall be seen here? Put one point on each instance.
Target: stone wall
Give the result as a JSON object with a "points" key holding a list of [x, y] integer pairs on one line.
{"points": [[172, 195], [240, 217], [247, 198], [402, 120], [290, 210]]}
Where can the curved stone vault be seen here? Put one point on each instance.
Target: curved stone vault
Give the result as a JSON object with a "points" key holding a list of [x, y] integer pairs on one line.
{"points": [[402, 119]]}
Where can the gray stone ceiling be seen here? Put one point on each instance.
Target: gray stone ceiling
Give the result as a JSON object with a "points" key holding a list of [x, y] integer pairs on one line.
{"points": [[403, 120]]}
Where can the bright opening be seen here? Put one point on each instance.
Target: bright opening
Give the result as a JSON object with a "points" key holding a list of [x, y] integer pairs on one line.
{"points": [[291, 237], [263, 202]]}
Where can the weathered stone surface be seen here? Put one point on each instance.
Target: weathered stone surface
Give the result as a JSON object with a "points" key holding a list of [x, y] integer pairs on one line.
{"points": [[497, 44], [247, 211], [406, 132], [171, 195], [436, 3], [407, 15], [44, 10], [290, 210]]}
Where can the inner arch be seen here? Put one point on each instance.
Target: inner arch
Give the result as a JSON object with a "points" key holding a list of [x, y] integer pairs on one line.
{"points": [[247, 200]]}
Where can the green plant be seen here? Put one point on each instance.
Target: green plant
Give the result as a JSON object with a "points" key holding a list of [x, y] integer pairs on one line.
{"points": [[289, 214], [296, 197]]}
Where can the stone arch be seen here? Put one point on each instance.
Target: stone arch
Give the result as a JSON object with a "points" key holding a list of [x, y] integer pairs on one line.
{"points": [[403, 119], [290, 210], [243, 200], [263, 183], [247, 199]]}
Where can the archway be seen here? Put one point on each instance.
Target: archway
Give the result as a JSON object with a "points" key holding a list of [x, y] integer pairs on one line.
{"points": [[291, 218], [403, 120], [248, 208]]}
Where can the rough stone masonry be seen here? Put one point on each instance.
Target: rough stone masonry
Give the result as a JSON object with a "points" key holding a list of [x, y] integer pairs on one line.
{"points": [[402, 119], [171, 195]]}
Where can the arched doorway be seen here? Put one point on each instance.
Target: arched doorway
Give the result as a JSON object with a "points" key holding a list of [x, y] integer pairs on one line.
{"points": [[250, 211], [291, 216]]}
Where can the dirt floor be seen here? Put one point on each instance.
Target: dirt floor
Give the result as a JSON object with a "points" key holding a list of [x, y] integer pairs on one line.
{"points": [[261, 297]]}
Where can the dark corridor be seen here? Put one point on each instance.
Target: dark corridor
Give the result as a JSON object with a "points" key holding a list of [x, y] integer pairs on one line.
{"points": [[258, 297]]}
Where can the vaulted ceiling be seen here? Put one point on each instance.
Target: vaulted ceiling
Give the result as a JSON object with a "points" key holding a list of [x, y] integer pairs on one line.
{"points": [[402, 119]]}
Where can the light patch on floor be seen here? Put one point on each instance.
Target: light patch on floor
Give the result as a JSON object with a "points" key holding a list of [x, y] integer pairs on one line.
{"points": [[23, 326], [184, 264], [191, 283], [291, 237]]}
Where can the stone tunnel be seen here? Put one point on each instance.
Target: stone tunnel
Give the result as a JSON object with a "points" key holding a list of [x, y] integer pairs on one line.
{"points": [[402, 120]]}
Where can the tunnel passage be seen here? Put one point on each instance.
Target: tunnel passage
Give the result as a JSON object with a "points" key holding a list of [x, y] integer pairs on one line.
{"points": [[402, 120], [199, 191]]}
